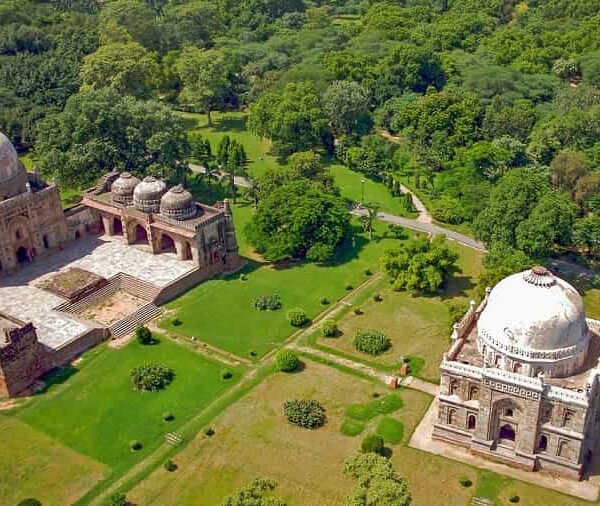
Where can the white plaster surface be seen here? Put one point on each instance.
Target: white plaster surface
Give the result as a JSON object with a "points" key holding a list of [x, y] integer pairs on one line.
{"points": [[105, 256]]}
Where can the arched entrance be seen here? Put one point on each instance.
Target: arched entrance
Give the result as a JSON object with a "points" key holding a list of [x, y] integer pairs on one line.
{"points": [[46, 241], [471, 422], [187, 252], [23, 255], [167, 244], [507, 433], [117, 227], [140, 235]]}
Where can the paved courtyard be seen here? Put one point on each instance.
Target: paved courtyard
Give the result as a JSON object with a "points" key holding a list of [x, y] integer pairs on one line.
{"points": [[105, 256]]}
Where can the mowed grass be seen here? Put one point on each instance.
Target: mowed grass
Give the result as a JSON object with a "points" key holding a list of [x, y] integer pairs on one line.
{"points": [[418, 326], [221, 311], [97, 412], [350, 182], [33, 464], [253, 438]]}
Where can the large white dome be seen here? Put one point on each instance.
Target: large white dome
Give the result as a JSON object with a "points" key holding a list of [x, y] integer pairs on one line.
{"points": [[12, 174], [534, 311]]}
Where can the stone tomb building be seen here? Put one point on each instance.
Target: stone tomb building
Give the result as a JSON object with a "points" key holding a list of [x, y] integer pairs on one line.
{"points": [[519, 384], [130, 237]]}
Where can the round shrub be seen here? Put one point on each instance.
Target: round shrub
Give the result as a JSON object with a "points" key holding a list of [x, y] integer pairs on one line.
{"points": [[176, 322], [168, 416], [357, 311], [143, 335], [514, 498], [151, 377], [253, 353], [324, 301], [465, 482], [305, 413], [135, 445], [349, 287], [297, 317], [329, 328], [372, 444], [226, 374], [377, 297], [287, 360], [170, 466], [209, 431], [371, 342], [268, 302], [118, 499], [244, 277], [30, 501], [368, 272]]}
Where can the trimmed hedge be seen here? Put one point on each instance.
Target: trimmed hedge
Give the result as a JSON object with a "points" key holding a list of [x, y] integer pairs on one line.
{"points": [[305, 413], [372, 342]]}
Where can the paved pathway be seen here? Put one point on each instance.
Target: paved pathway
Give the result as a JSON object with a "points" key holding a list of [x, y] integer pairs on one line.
{"points": [[428, 228], [424, 216], [237, 180]]}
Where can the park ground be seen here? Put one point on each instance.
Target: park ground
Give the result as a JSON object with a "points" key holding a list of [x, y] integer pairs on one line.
{"points": [[70, 443]]}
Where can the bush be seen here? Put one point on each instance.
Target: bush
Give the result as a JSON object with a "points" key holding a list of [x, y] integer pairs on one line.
{"points": [[324, 301], [143, 335], [465, 482], [168, 416], [329, 328], [371, 342], [135, 445], [176, 322], [357, 311], [170, 466], [226, 374], [30, 501], [305, 413], [349, 287], [514, 498], [377, 297], [244, 277], [368, 272], [118, 499], [253, 353], [268, 302], [151, 377], [297, 317], [372, 444], [209, 431], [287, 360]]}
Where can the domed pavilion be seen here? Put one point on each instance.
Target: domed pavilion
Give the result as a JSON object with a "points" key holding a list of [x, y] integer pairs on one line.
{"points": [[519, 384]]}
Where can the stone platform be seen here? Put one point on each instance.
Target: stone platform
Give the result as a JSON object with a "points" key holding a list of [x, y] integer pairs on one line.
{"points": [[21, 297]]}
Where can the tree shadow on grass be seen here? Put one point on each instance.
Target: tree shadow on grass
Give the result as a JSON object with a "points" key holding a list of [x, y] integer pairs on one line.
{"points": [[457, 287], [230, 124]]}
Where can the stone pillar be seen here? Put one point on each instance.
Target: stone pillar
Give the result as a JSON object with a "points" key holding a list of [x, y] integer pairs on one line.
{"points": [[107, 222], [180, 246]]}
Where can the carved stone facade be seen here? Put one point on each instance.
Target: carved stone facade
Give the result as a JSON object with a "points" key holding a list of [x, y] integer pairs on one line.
{"points": [[536, 408]]}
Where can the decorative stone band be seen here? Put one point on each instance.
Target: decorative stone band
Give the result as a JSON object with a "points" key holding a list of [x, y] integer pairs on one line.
{"points": [[461, 369], [516, 351], [494, 374], [565, 395]]}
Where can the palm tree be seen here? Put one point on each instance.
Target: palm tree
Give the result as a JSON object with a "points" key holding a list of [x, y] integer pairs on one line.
{"points": [[368, 219]]}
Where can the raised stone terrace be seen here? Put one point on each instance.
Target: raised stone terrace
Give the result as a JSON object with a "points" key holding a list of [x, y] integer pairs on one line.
{"points": [[21, 296]]}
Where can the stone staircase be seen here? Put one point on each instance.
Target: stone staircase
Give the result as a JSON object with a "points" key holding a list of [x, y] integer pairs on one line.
{"points": [[133, 321], [480, 501], [138, 288], [113, 286]]}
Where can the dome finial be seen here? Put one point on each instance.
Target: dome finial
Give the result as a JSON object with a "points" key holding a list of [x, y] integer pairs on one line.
{"points": [[539, 275]]}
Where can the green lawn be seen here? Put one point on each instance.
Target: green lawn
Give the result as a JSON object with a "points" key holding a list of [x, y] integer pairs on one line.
{"points": [[351, 185], [221, 311], [96, 412]]}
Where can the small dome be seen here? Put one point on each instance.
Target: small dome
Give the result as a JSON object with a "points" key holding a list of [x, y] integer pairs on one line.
{"points": [[12, 174], [532, 314], [123, 187], [178, 203], [147, 194]]}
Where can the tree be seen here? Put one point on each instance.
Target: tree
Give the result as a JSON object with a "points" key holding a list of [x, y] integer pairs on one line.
{"points": [[257, 493], [549, 223], [378, 484], [127, 67], [204, 74], [369, 218], [99, 130], [151, 377], [590, 68], [372, 444], [568, 167], [299, 220], [502, 261], [346, 104], [118, 499], [309, 165], [293, 119], [511, 202], [586, 235], [136, 18], [419, 265], [144, 336]]}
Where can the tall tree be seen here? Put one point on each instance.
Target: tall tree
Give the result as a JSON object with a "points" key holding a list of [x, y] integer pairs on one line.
{"points": [[346, 104]]}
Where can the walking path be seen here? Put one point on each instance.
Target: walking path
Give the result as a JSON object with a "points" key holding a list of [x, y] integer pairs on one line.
{"points": [[424, 216]]}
